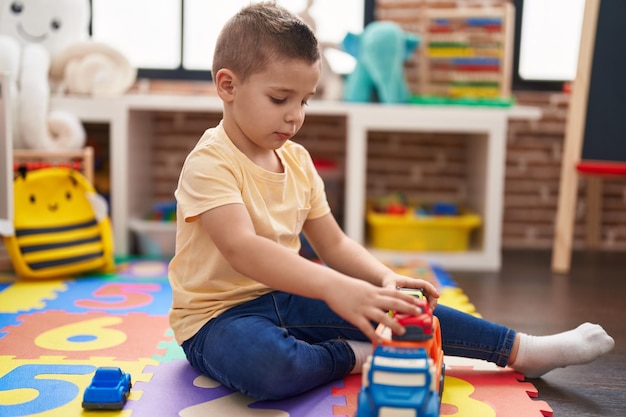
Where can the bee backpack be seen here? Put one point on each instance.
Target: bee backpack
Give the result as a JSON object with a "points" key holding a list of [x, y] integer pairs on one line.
{"points": [[61, 225]]}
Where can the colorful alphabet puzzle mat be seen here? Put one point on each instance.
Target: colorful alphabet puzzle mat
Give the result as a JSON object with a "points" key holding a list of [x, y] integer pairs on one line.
{"points": [[54, 334]]}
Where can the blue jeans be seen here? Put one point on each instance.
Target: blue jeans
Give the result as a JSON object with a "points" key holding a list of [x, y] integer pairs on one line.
{"points": [[280, 344]]}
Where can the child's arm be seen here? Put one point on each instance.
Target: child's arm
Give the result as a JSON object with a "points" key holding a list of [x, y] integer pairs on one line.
{"points": [[343, 254], [265, 261]]}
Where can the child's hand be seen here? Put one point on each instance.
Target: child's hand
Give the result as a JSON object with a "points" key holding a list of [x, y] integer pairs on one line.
{"points": [[362, 303], [401, 281]]}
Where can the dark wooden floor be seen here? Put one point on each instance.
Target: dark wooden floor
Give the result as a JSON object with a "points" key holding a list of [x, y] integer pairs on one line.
{"points": [[527, 296]]}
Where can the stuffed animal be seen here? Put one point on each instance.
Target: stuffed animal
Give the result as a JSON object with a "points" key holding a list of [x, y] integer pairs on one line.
{"points": [[44, 45], [381, 51]]}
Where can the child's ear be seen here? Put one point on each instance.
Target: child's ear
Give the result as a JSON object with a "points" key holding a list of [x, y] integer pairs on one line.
{"points": [[225, 81]]}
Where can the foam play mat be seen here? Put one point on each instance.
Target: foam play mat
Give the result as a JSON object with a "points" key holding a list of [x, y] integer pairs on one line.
{"points": [[55, 333]]}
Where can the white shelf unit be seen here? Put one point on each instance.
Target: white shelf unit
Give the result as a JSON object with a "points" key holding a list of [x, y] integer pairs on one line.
{"points": [[6, 158], [129, 118]]}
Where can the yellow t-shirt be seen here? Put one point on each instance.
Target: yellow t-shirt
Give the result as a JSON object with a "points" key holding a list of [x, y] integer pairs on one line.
{"points": [[216, 173]]}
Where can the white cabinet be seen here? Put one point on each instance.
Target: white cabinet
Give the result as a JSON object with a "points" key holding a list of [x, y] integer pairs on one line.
{"points": [[6, 160], [129, 118]]}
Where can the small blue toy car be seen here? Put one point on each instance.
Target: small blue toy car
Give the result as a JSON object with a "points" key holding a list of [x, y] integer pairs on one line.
{"points": [[398, 381], [108, 390]]}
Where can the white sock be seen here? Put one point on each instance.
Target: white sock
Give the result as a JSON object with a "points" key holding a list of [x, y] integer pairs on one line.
{"points": [[538, 355], [361, 351]]}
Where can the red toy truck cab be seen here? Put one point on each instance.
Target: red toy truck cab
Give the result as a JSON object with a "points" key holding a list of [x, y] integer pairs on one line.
{"points": [[418, 328]]}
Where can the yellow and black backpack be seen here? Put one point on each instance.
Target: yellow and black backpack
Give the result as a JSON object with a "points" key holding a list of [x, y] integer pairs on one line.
{"points": [[61, 225]]}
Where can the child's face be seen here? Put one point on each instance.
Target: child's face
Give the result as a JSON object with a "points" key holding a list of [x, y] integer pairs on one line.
{"points": [[268, 108]]}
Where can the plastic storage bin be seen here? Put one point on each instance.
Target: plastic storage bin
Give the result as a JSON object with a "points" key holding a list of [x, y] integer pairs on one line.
{"points": [[421, 233], [154, 238]]}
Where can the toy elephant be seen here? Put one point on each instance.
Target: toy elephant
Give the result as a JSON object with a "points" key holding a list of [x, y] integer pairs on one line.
{"points": [[381, 51]]}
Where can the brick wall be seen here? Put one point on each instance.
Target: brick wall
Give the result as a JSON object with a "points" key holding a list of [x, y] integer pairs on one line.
{"points": [[533, 167]]}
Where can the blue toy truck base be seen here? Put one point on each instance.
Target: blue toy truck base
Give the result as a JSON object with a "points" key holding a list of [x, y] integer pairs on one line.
{"points": [[398, 381], [104, 406]]}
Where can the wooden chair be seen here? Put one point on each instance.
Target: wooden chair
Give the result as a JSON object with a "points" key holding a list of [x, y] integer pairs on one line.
{"points": [[80, 159], [595, 172], [573, 164]]}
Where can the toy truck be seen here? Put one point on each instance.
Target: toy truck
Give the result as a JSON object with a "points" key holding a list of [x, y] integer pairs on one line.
{"points": [[108, 390], [404, 375], [398, 382]]}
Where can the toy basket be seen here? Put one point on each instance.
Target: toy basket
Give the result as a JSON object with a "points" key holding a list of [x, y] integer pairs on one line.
{"points": [[156, 239], [421, 233]]}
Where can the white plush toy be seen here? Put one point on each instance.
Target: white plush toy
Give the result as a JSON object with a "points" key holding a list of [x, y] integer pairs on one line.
{"points": [[44, 45]]}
